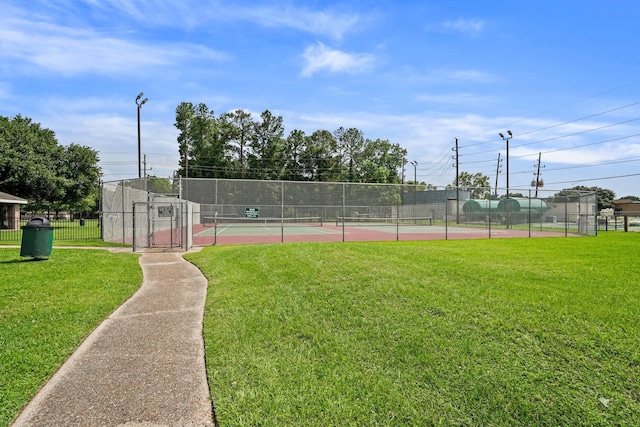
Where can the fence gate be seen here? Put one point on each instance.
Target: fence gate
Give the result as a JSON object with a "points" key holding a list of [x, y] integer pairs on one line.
{"points": [[588, 214], [160, 224]]}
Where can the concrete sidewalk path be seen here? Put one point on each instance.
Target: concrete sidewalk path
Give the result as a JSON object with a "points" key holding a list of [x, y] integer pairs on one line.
{"points": [[143, 366]]}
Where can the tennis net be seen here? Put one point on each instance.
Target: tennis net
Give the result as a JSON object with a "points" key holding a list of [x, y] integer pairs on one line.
{"points": [[365, 221], [262, 222]]}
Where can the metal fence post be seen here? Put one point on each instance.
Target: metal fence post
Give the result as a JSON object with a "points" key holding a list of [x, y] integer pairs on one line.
{"points": [[446, 213], [344, 209], [398, 217], [134, 226], [529, 220], [566, 215], [124, 232]]}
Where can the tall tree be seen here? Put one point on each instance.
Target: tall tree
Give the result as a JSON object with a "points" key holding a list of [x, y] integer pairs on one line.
{"points": [[35, 167], [200, 154], [606, 197], [382, 161], [233, 145], [350, 143], [185, 113], [267, 147], [294, 145], [30, 161], [240, 132], [81, 173], [478, 184], [319, 160]]}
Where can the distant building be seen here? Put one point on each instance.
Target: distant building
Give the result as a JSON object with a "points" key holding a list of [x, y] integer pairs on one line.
{"points": [[10, 211], [627, 207]]}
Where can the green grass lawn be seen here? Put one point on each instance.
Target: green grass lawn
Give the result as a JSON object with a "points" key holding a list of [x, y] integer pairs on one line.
{"points": [[48, 307], [481, 332]]}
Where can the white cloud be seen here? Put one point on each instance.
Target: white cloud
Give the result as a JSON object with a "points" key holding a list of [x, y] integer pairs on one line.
{"points": [[470, 76], [73, 51], [457, 99], [115, 138], [316, 22], [5, 90], [321, 58], [448, 76], [428, 138], [192, 14], [461, 25]]}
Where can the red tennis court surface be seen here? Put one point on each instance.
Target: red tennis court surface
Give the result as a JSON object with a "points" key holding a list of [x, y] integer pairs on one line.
{"points": [[205, 236]]}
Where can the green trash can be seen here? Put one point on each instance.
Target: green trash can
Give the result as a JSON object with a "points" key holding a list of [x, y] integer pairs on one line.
{"points": [[37, 238]]}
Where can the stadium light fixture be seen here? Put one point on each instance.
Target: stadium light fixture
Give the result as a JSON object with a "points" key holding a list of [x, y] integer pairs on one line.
{"points": [[415, 165]]}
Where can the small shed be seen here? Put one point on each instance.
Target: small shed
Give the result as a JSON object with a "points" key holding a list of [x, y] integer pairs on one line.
{"points": [[10, 211], [627, 207]]}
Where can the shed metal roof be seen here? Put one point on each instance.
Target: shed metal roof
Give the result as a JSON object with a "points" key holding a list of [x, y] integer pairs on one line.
{"points": [[10, 199]]}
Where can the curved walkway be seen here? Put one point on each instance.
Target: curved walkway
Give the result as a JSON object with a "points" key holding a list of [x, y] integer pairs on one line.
{"points": [[143, 366]]}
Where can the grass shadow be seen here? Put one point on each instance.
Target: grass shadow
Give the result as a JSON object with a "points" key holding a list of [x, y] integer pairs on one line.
{"points": [[15, 261]]}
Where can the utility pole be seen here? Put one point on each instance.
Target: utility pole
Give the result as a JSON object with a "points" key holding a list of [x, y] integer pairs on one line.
{"points": [[537, 182], [498, 170]]}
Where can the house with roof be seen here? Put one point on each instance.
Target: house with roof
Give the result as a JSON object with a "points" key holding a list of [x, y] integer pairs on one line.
{"points": [[627, 207], [10, 211]]}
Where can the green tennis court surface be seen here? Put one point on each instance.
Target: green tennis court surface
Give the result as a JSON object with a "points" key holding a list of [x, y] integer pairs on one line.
{"points": [[265, 228]]}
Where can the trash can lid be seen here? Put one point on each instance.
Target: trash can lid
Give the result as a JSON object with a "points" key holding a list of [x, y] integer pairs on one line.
{"points": [[39, 223]]}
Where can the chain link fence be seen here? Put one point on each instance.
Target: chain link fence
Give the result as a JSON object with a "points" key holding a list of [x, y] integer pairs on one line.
{"points": [[184, 212]]}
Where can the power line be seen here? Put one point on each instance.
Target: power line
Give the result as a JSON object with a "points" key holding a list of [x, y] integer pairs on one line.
{"points": [[564, 106], [581, 118], [580, 146], [576, 102], [578, 133], [595, 179]]}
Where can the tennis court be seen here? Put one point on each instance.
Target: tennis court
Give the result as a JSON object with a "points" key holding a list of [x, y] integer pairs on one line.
{"points": [[342, 229], [216, 211]]}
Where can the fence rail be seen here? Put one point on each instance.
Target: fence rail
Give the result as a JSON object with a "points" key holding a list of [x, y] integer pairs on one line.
{"points": [[63, 229]]}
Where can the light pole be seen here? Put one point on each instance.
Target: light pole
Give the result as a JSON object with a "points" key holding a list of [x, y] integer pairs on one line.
{"points": [[415, 186], [140, 104], [506, 139]]}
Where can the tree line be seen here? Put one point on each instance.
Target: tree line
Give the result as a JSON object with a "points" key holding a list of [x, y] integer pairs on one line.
{"points": [[234, 145], [50, 176], [34, 166]]}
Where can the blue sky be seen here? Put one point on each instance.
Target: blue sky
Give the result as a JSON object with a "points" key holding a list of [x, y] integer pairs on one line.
{"points": [[563, 76]]}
